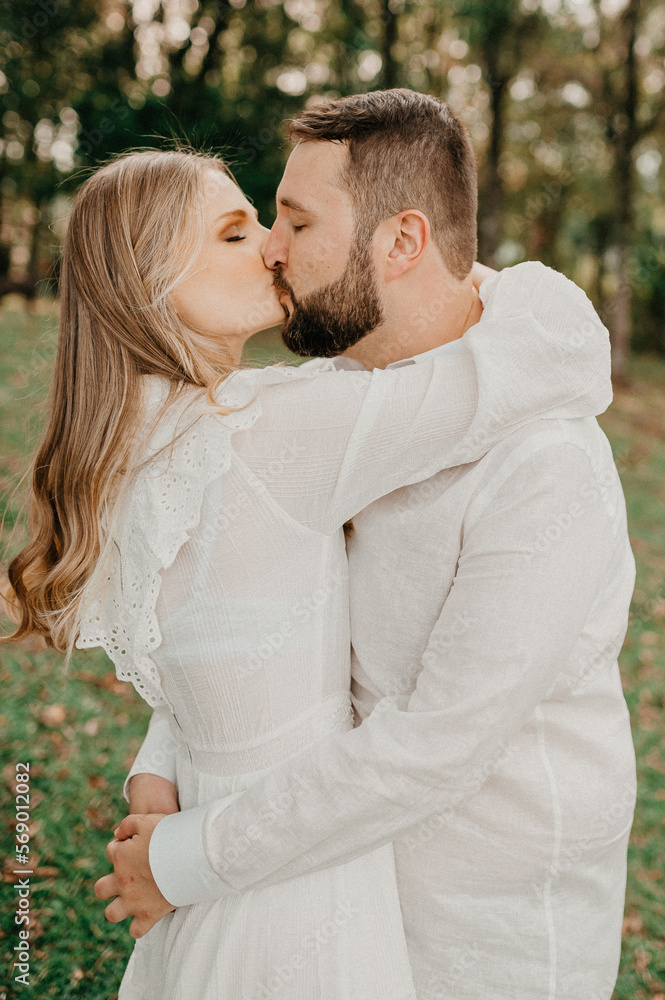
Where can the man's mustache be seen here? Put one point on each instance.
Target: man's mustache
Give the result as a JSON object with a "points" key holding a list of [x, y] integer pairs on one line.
{"points": [[282, 285]]}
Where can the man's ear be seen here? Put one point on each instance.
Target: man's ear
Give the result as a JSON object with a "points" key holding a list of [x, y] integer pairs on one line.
{"points": [[409, 234]]}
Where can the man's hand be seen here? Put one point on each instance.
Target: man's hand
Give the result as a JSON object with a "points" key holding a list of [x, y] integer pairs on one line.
{"points": [[480, 272], [135, 890], [149, 793]]}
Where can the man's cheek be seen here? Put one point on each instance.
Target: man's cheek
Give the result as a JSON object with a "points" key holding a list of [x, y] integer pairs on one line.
{"points": [[314, 265]]}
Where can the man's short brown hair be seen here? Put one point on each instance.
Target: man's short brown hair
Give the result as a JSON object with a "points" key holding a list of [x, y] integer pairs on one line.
{"points": [[407, 150]]}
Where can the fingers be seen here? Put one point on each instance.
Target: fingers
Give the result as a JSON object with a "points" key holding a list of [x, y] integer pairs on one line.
{"points": [[106, 887], [140, 926], [111, 851], [117, 910], [128, 827], [156, 803]]}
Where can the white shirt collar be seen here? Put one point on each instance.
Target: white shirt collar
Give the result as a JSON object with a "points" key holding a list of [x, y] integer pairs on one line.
{"points": [[350, 364]]}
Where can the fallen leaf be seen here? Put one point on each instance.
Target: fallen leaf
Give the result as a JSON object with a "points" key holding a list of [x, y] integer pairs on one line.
{"points": [[98, 819], [642, 959], [632, 923], [649, 875], [53, 715]]}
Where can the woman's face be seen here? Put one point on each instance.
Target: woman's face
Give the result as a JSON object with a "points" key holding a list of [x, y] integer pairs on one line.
{"points": [[230, 293]]}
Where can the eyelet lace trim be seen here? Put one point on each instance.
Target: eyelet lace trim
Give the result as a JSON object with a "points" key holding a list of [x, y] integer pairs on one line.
{"points": [[163, 508]]}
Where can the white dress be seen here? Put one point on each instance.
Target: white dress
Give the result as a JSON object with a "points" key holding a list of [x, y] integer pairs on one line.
{"points": [[226, 605]]}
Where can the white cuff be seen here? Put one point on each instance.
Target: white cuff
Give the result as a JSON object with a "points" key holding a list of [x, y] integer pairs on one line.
{"points": [[178, 862]]}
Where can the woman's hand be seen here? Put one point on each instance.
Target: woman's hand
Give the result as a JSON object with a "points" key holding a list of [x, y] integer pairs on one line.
{"points": [[480, 273], [149, 793], [131, 883], [151, 797]]}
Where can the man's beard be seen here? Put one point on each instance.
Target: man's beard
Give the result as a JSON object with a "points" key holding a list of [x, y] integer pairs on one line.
{"points": [[325, 323]]}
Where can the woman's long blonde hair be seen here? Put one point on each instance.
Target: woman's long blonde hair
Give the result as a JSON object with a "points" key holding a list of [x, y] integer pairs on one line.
{"points": [[135, 231]]}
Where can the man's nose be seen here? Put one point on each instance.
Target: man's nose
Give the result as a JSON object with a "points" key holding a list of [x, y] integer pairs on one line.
{"points": [[274, 253]]}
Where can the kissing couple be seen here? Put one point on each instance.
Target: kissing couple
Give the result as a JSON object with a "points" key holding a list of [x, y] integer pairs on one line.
{"points": [[375, 601]]}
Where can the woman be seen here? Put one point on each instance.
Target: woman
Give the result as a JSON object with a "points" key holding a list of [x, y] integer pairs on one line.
{"points": [[185, 513]]}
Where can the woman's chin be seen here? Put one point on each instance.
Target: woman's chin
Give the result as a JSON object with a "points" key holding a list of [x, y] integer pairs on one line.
{"points": [[278, 318]]}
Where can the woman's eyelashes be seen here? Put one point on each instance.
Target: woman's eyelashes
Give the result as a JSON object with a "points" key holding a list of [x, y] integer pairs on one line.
{"points": [[232, 235]]}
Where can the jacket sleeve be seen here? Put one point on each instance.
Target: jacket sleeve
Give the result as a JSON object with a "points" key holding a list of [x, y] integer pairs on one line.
{"points": [[157, 752], [539, 350]]}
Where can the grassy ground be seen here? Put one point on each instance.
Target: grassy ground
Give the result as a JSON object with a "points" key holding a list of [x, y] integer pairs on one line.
{"points": [[80, 731]]}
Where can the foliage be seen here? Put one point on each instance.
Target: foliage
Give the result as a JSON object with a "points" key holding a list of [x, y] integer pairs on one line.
{"points": [[541, 85]]}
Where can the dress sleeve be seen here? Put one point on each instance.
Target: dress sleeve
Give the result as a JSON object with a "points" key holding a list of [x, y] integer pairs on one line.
{"points": [[417, 757], [157, 753], [326, 447]]}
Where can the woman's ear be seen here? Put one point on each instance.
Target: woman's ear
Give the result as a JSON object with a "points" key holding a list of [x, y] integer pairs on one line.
{"points": [[410, 232]]}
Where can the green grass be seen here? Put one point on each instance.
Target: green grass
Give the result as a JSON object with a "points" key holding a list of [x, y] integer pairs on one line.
{"points": [[635, 424], [81, 751]]}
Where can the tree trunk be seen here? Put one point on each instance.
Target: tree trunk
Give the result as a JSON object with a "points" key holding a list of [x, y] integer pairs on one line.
{"points": [[389, 39], [541, 238], [626, 139], [35, 244], [493, 195]]}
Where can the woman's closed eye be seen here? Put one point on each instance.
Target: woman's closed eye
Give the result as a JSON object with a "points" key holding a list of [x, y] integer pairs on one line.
{"points": [[232, 235]]}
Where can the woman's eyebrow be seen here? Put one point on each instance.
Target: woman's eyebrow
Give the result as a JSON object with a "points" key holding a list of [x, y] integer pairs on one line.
{"points": [[236, 213]]}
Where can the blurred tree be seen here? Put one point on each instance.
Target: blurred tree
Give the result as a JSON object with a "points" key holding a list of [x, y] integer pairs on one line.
{"points": [[389, 38], [502, 34], [625, 134], [40, 47], [623, 68], [563, 101]]}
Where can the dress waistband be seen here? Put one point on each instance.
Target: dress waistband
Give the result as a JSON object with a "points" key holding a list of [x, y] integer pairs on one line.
{"points": [[333, 715]]}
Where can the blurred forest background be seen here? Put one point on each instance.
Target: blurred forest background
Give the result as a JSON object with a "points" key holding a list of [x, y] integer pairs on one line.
{"points": [[564, 101]]}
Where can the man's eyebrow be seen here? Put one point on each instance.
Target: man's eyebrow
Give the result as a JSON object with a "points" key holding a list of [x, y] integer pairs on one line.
{"points": [[292, 203], [236, 213]]}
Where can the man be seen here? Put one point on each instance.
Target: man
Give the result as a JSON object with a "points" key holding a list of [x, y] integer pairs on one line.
{"points": [[488, 609]]}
